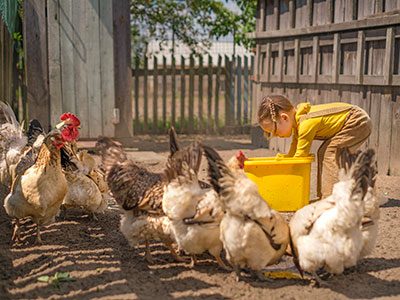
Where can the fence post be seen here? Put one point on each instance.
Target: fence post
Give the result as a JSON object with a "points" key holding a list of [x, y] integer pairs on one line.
{"points": [[155, 95], [145, 94], [191, 95], [173, 100], [246, 90], [200, 87], [216, 102], [182, 119], [239, 91], [164, 93], [209, 94], [136, 87]]}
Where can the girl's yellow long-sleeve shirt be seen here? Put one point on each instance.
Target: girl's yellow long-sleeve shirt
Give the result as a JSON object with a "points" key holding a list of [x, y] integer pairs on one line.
{"points": [[315, 128]]}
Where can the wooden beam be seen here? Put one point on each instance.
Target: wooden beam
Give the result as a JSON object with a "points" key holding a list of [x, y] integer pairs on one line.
{"points": [[314, 62], [261, 21], [281, 54], [36, 61], [378, 21], [378, 6], [336, 58], [360, 57], [257, 61], [310, 4], [292, 13], [297, 59], [389, 57], [330, 10], [354, 8], [276, 14], [122, 69]]}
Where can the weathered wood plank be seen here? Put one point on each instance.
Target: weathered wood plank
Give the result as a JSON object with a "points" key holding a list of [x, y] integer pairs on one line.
{"points": [[183, 90], [80, 60], [395, 140], [281, 54], [389, 57], [191, 95], [315, 54], [336, 58], [246, 90], [136, 94], [385, 126], [209, 94], [296, 59], [228, 80], [217, 87], [107, 67], [53, 42], [173, 82], [360, 57], [200, 95], [164, 92], [94, 70], [145, 95], [122, 69], [36, 62], [239, 91], [155, 95]]}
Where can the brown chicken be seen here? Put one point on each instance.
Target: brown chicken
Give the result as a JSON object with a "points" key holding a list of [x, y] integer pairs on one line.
{"points": [[40, 190]]}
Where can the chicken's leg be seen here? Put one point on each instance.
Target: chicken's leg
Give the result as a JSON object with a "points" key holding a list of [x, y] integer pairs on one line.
{"points": [[318, 282], [194, 261], [38, 236], [16, 232], [237, 271], [175, 254], [148, 256], [221, 263]]}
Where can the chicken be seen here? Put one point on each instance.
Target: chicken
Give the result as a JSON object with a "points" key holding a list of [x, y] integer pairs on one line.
{"points": [[328, 234], [82, 190], [139, 193], [39, 191], [194, 212], [15, 146], [253, 235]]}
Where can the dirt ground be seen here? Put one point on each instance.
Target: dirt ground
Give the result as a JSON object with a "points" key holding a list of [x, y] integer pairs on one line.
{"points": [[103, 265]]}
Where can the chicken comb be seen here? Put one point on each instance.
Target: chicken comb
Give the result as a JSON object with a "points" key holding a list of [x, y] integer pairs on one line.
{"points": [[70, 116]]}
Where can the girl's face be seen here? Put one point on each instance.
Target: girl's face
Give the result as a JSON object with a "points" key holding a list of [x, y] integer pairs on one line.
{"points": [[281, 128]]}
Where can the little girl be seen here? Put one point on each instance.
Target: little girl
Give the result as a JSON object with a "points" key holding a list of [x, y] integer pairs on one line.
{"points": [[338, 124]]}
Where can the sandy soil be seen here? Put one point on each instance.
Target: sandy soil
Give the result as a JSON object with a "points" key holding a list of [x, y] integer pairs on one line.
{"points": [[104, 266]]}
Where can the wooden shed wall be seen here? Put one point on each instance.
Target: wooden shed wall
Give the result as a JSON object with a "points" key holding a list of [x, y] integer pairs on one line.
{"points": [[74, 56], [334, 50]]}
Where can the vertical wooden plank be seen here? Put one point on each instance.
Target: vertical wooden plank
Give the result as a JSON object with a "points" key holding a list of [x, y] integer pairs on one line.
{"points": [[256, 76], [232, 86], [330, 10], [191, 95], [2, 59], [36, 62], [281, 54], [155, 94], [53, 42], [292, 13], [354, 8], [315, 54], [209, 94], [378, 6], [67, 57], [374, 113], [145, 94], [136, 93], [395, 140], [261, 21], [389, 56], [297, 59], [182, 104], [164, 93], [276, 14], [173, 83], [200, 95], [227, 91], [310, 5], [336, 58], [94, 70], [122, 68], [385, 129], [246, 90], [360, 57], [254, 92], [79, 67], [239, 91], [216, 102], [107, 68]]}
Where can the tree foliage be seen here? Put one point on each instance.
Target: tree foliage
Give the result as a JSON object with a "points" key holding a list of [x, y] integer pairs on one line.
{"points": [[191, 22]]}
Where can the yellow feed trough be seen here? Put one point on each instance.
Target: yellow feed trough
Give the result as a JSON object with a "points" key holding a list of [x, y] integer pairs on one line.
{"points": [[284, 183]]}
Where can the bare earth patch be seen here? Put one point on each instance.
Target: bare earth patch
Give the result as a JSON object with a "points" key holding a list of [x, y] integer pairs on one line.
{"points": [[103, 265]]}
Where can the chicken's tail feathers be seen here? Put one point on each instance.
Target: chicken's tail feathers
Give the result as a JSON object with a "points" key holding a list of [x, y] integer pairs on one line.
{"points": [[66, 160], [34, 130], [217, 169], [7, 115], [173, 141], [363, 171], [185, 162], [111, 152]]}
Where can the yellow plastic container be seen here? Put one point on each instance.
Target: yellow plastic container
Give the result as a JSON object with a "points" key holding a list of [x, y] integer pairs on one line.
{"points": [[284, 183]]}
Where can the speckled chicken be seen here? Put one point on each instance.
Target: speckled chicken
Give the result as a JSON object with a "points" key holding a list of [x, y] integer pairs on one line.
{"points": [[253, 235], [328, 234], [40, 190], [194, 212], [139, 193]]}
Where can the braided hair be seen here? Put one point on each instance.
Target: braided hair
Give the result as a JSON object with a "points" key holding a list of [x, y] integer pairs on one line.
{"points": [[271, 106]]}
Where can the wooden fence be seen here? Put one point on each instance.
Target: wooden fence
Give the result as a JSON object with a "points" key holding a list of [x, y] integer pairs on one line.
{"points": [[326, 51], [195, 95]]}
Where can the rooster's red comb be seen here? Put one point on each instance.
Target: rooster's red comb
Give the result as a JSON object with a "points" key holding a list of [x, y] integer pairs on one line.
{"points": [[240, 154], [73, 118]]}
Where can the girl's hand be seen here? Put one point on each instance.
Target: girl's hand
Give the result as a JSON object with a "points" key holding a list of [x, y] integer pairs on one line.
{"points": [[281, 155]]}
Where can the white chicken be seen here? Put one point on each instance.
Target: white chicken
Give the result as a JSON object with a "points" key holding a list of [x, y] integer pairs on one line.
{"points": [[194, 212], [328, 234], [253, 234]]}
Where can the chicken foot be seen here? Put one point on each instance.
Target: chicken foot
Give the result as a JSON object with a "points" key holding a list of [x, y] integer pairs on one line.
{"points": [[221, 263], [193, 261], [148, 256], [16, 236], [38, 235], [318, 281], [175, 254]]}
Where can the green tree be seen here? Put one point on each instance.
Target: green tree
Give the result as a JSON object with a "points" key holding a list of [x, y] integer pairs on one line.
{"points": [[191, 22]]}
